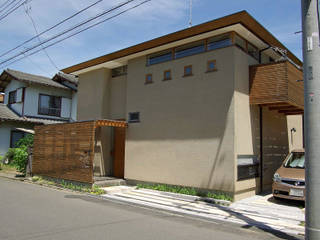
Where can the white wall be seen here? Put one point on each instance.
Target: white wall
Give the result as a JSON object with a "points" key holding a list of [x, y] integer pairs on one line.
{"points": [[12, 86], [32, 100], [74, 105]]}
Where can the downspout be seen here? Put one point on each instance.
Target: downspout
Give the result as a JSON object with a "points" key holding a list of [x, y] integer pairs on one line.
{"points": [[261, 147]]}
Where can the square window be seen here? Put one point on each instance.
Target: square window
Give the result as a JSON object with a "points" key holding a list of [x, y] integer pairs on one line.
{"points": [[148, 79], [134, 117], [188, 71], [167, 75], [211, 66], [12, 97]]}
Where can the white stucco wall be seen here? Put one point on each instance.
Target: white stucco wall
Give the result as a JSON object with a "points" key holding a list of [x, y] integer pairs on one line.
{"points": [[74, 105], [32, 100], [12, 86]]}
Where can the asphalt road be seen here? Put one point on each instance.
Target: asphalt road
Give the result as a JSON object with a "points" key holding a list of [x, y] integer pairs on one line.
{"points": [[29, 211]]}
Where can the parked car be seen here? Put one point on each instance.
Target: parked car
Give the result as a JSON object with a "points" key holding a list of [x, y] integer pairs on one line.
{"points": [[289, 179]]}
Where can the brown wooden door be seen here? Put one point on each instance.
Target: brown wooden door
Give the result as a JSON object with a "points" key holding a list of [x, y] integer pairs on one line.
{"points": [[119, 148]]}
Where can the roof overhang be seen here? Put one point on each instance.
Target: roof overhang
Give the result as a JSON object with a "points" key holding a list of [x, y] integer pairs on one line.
{"points": [[241, 22]]}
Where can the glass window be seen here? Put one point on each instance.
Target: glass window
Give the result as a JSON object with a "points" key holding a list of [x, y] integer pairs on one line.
{"points": [[49, 105], [253, 51], [134, 117], [240, 42], [189, 49], [167, 75], [160, 57], [295, 160], [119, 71], [219, 42], [12, 97], [148, 78], [15, 137], [212, 66], [188, 70]]}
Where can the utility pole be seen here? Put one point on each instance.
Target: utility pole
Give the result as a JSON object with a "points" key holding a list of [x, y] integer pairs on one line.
{"points": [[311, 72]]}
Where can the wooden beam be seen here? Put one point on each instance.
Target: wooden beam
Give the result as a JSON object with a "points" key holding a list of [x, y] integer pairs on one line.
{"points": [[291, 111], [294, 113], [284, 107]]}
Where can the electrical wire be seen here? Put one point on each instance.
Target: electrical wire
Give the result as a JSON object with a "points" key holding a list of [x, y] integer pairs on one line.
{"points": [[71, 35], [2, 5], [11, 10], [5, 7], [54, 26], [68, 30], [36, 30]]}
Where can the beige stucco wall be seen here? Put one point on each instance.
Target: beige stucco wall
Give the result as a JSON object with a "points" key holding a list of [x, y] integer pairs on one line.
{"points": [[247, 123], [186, 133], [118, 97], [295, 139]]}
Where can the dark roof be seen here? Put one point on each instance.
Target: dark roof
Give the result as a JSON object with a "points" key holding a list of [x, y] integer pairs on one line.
{"points": [[60, 76], [7, 114], [242, 18], [9, 74]]}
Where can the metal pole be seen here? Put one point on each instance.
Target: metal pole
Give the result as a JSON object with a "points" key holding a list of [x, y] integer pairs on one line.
{"points": [[311, 71]]}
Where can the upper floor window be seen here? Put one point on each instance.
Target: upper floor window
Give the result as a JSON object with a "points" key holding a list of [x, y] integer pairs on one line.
{"points": [[160, 57], [219, 42], [148, 79], [167, 75], [190, 49], [49, 105], [253, 51], [187, 71], [239, 41], [119, 71], [12, 97]]}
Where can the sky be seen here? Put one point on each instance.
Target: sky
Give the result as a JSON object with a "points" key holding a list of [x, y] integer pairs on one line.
{"points": [[150, 20]]}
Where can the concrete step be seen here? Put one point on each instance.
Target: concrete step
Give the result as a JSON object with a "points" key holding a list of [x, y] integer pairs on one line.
{"points": [[110, 182]]}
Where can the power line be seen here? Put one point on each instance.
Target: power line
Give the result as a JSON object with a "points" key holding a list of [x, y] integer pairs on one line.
{"points": [[68, 30], [54, 26], [27, 11], [2, 5], [5, 7], [11, 10], [71, 35]]}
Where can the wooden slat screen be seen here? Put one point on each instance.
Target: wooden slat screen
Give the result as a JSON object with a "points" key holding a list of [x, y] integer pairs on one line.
{"points": [[65, 151]]}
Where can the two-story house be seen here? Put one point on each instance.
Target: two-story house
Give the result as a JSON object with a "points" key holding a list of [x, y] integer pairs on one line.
{"points": [[211, 106], [31, 99]]}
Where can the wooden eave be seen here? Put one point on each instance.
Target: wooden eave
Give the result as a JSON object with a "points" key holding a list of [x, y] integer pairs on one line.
{"points": [[242, 18], [110, 123]]}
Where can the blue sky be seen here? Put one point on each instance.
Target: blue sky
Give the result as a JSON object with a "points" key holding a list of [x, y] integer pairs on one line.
{"points": [[149, 21]]}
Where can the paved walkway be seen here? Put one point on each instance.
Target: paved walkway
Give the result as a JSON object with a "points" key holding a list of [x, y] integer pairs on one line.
{"points": [[257, 211]]}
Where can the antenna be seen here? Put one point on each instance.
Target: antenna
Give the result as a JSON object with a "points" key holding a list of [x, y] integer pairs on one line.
{"points": [[190, 13]]}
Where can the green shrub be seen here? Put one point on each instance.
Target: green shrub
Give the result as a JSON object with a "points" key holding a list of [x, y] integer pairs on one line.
{"points": [[20, 159]]}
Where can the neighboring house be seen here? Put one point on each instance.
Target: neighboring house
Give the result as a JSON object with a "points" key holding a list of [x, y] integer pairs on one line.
{"points": [[207, 106], [1, 98], [30, 100]]}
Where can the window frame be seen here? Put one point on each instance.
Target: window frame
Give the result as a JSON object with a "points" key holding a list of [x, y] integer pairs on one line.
{"points": [[215, 66], [185, 74], [147, 81], [134, 121], [165, 78], [15, 97], [39, 104], [11, 136]]}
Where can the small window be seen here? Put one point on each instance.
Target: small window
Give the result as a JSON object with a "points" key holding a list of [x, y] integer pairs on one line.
{"points": [[188, 71], [15, 137], [190, 49], [134, 117], [148, 79], [49, 105], [120, 71], [167, 75], [240, 42], [159, 57], [12, 97], [212, 66], [253, 51]]}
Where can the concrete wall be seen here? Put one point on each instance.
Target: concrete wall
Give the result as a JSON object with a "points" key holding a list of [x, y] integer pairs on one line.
{"points": [[275, 144], [295, 139], [186, 133], [5, 134]]}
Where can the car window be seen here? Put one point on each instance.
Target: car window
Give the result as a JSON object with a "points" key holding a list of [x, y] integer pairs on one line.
{"points": [[295, 160]]}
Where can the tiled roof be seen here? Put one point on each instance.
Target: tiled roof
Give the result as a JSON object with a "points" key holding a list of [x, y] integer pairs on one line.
{"points": [[31, 78], [7, 114], [68, 77]]}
